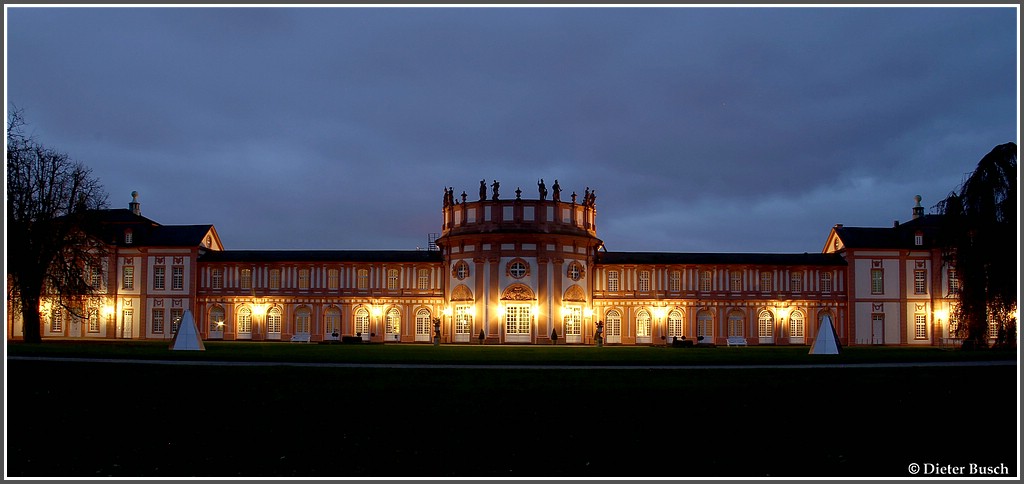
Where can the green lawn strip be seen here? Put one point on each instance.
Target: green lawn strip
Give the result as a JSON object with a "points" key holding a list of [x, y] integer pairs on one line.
{"points": [[469, 354], [104, 419]]}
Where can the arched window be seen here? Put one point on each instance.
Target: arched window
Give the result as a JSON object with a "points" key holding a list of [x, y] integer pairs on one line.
{"points": [[274, 322], [423, 325], [302, 321], [362, 324], [244, 321], [765, 324], [393, 321], [675, 324], [643, 326], [796, 324], [613, 327], [736, 323], [332, 321], [216, 319], [705, 326]]}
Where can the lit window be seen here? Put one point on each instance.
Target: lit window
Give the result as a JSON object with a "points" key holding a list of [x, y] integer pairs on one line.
{"points": [[461, 270], [362, 325], [94, 322], [392, 279], [613, 281], [274, 320], [128, 277], [423, 279], [575, 271], [96, 279], [766, 281], [275, 279], [705, 326], [645, 281], [128, 236], [423, 322], [157, 320], [919, 238], [796, 325], [303, 278], [643, 324], [877, 281], [765, 325], [517, 320], [393, 322], [246, 279], [217, 319], [796, 281], [920, 326], [57, 321], [675, 324], [920, 276], [613, 327], [177, 278], [954, 282], [244, 321]]}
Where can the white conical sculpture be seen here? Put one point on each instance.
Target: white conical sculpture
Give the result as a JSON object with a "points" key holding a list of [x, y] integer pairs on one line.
{"points": [[826, 343], [187, 337]]}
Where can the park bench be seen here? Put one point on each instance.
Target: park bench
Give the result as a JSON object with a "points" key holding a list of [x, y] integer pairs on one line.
{"points": [[300, 338], [736, 341]]}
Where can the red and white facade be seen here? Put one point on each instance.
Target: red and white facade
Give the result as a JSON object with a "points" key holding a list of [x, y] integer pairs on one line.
{"points": [[515, 271]]}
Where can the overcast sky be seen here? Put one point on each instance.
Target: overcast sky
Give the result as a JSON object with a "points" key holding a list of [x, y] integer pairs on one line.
{"points": [[700, 129]]}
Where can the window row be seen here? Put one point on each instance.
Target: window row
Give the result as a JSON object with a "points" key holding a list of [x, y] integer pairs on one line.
{"points": [[675, 325], [332, 279], [766, 281]]}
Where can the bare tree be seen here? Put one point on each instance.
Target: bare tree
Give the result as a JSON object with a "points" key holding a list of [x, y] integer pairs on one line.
{"points": [[979, 241], [50, 251]]}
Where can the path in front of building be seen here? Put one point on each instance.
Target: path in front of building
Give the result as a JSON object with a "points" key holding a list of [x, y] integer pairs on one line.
{"points": [[516, 367]]}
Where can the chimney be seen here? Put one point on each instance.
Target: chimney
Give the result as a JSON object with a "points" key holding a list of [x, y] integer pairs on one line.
{"points": [[918, 209], [134, 206]]}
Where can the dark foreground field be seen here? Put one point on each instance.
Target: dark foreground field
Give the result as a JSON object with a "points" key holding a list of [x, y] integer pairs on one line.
{"points": [[142, 420]]}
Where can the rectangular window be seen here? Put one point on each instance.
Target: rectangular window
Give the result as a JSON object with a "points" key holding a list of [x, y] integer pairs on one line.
{"points": [[735, 325], [517, 319], [705, 281], [159, 277], [954, 282], [57, 321], [333, 276], [766, 282], [127, 320], [613, 281], [304, 279], [217, 279], [796, 282], [920, 276], [675, 281], [157, 320], [363, 279], [94, 322], [96, 278], [645, 281], [920, 326], [275, 279], [877, 281], [128, 277], [826, 282], [246, 279], [735, 281], [177, 278], [423, 280], [392, 279], [176, 315]]}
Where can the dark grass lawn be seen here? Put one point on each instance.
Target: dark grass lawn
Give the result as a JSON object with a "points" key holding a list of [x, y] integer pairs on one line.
{"points": [[475, 354], [138, 420]]}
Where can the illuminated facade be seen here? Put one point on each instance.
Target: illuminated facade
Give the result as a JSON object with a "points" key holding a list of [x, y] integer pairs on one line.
{"points": [[516, 271]]}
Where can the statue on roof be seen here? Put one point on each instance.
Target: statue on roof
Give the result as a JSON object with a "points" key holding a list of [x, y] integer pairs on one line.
{"points": [[542, 189], [556, 192], [494, 190], [483, 190]]}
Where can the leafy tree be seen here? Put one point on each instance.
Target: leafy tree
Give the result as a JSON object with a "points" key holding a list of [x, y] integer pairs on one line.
{"points": [[979, 236], [49, 198]]}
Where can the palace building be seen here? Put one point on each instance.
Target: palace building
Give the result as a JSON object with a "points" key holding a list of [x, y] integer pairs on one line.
{"points": [[512, 271]]}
